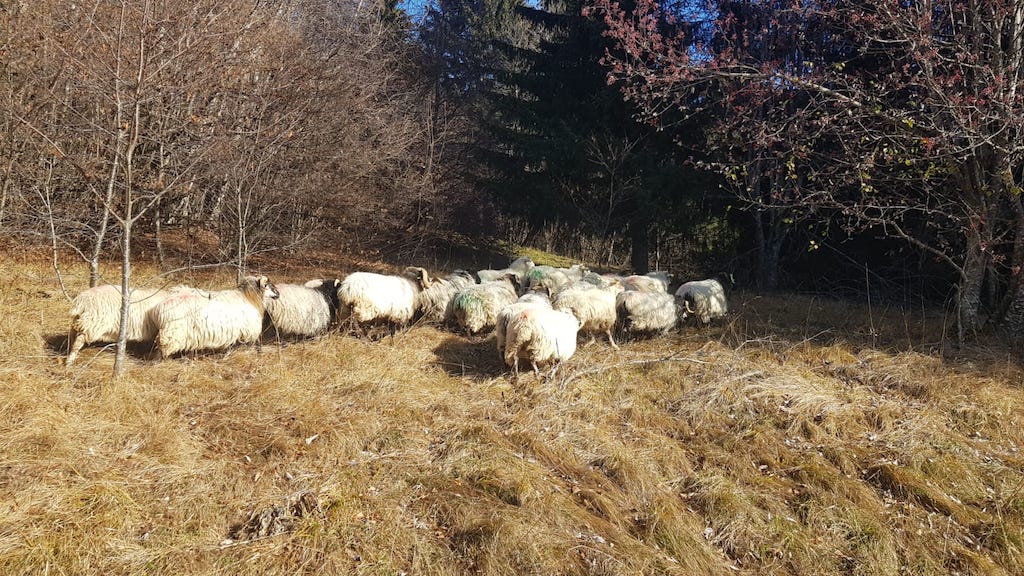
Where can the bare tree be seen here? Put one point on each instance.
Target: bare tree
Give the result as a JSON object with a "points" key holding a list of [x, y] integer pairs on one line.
{"points": [[902, 117]]}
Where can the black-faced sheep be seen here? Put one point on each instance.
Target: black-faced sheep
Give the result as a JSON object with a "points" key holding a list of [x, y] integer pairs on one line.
{"points": [[646, 313], [304, 311], [191, 321], [475, 308], [96, 316], [540, 336], [368, 299], [434, 303], [704, 299]]}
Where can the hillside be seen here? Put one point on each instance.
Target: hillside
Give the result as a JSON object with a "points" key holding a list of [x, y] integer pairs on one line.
{"points": [[804, 436]]}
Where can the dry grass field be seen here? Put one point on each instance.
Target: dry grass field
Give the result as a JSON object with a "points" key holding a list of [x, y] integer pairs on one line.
{"points": [[802, 437]]}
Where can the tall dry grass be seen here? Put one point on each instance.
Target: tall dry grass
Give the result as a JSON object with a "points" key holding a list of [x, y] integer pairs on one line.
{"points": [[802, 437]]}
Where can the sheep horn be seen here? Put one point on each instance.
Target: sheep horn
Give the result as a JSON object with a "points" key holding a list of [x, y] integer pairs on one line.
{"points": [[686, 303], [425, 280]]}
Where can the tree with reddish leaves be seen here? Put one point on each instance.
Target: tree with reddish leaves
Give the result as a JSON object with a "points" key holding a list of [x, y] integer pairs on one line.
{"points": [[904, 118]]}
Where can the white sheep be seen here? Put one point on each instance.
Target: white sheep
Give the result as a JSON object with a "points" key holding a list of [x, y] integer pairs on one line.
{"points": [[593, 306], [434, 302], [192, 321], [704, 299], [551, 278], [646, 313], [366, 298], [540, 336], [526, 301], [96, 316], [652, 282], [475, 308], [304, 311], [520, 266]]}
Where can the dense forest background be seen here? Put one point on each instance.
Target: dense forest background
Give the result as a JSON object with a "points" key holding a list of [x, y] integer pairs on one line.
{"points": [[846, 148]]}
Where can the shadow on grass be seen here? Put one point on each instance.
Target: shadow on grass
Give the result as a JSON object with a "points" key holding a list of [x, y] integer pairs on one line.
{"points": [[57, 345], [470, 357]]}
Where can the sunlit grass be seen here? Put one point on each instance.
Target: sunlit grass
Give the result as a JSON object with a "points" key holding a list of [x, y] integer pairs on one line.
{"points": [[803, 436]]}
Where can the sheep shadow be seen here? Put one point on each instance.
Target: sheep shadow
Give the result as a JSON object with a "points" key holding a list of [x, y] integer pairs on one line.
{"points": [[475, 357], [57, 345]]}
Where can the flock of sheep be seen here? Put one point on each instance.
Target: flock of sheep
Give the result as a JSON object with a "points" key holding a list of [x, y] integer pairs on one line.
{"points": [[536, 312]]}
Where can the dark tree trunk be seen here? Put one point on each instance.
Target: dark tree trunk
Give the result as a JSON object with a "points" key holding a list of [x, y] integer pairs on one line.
{"points": [[640, 251], [1013, 319], [1010, 294], [969, 291], [770, 230]]}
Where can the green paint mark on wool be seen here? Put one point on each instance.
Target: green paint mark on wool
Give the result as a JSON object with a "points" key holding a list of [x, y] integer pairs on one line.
{"points": [[468, 300]]}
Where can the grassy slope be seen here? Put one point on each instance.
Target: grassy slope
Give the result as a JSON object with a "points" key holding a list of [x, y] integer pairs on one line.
{"points": [[805, 437]]}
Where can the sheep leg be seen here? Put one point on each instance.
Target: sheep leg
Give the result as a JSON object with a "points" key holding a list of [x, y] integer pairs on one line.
{"points": [[611, 340], [556, 368], [76, 343], [151, 353], [592, 340]]}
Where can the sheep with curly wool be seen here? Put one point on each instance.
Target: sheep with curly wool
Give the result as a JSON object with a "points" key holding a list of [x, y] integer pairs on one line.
{"points": [[520, 266], [434, 303], [368, 299], [192, 321], [540, 336], [552, 279], [593, 306], [651, 282], [646, 313], [475, 308], [704, 299], [96, 316], [304, 311], [526, 301]]}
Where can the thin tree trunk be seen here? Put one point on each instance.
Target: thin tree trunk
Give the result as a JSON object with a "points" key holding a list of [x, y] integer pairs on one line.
{"points": [[127, 219], [126, 275], [5, 191], [157, 236], [48, 200], [240, 253], [101, 233]]}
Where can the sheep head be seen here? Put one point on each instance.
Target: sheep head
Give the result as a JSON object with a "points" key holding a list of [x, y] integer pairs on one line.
{"points": [[419, 275], [268, 288], [687, 309], [464, 274], [513, 279]]}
